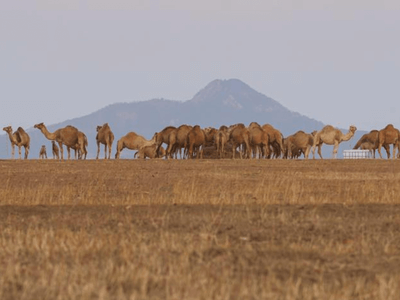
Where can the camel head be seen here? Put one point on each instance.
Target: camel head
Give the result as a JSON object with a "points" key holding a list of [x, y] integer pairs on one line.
{"points": [[98, 128], [39, 126], [352, 128], [8, 129]]}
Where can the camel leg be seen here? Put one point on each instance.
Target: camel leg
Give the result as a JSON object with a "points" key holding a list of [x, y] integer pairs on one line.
{"points": [[98, 150], [394, 151], [19, 152], [61, 150], [105, 151], [109, 150], [26, 152], [319, 151], [335, 150]]}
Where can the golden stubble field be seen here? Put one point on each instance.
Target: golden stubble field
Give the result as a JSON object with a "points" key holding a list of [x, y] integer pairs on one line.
{"points": [[209, 229]]}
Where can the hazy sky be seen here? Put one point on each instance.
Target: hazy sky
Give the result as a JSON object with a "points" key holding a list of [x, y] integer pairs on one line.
{"points": [[335, 61]]}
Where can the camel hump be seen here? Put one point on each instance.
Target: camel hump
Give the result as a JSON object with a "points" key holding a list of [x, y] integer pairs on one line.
{"points": [[20, 129]]}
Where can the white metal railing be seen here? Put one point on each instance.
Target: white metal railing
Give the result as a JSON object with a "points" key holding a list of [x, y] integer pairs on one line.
{"points": [[356, 154]]}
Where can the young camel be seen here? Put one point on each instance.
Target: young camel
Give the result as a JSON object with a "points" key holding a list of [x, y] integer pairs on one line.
{"points": [[43, 153]]}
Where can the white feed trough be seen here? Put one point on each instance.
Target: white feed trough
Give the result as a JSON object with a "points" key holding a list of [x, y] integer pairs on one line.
{"points": [[356, 154]]}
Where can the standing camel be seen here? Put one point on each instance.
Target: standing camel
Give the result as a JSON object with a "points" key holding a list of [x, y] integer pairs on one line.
{"points": [[386, 137], [181, 140], [20, 139], [258, 140], [239, 136], [331, 136], [300, 142], [371, 142], [221, 138], [167, 136], [275, 139], [68, 136], [196, 141], [106, 137]]}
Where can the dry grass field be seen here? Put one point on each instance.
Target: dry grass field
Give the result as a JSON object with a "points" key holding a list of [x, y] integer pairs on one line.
{"points": [[209, 229]]}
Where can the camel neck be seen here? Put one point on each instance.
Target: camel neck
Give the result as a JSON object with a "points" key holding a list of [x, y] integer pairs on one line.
{"points": [[47, 134]]}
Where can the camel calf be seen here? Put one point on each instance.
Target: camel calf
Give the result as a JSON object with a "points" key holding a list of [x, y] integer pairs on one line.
{"points": [[150, 152], [43, 153]]}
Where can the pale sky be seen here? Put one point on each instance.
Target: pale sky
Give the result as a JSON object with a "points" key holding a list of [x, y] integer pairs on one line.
{"points": [[334, 61]]}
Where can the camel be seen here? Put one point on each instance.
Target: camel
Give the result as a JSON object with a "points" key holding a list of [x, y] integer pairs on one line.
{"points": [[106, 137], [19, 138], [275, 139], [220, 140], [149, 151], [210, 133], [331, 136], [258, 140], [43, 153], [181, 140], [300, 142], [81, 151], [55, 150], [386, 137], [196, 140], [68, 136], [372, 139], [239, 135], [167, 136], [368, 146], [133, 141]]}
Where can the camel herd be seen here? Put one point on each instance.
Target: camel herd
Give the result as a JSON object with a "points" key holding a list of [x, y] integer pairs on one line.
{"points": [[253, 141]]}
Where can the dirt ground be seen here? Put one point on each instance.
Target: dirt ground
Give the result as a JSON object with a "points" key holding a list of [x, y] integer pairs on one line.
{"points": [[200, 229]]}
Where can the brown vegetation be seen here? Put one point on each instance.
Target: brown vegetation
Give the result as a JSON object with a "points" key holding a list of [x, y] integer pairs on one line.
{"points": [[200, 229]]}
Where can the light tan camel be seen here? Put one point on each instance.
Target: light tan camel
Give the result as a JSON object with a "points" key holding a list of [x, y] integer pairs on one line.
{"points": [[331, 136], [43, 153], [133, 141], [166, 136], [300, 142], [181, 140], [275, 139], [20, 139], [68, 136], [220, 140], [386, 137], [372, 139], [258, 140], [239, 136], [149, 152], [55, 150], [196, 141], [106, 137]]}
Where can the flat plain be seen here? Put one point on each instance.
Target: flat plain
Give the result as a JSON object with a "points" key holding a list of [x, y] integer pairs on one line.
{"points": [[200, 229]]}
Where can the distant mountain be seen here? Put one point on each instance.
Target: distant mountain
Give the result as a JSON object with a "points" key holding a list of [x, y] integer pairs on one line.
{"points": [[221, 102]]}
